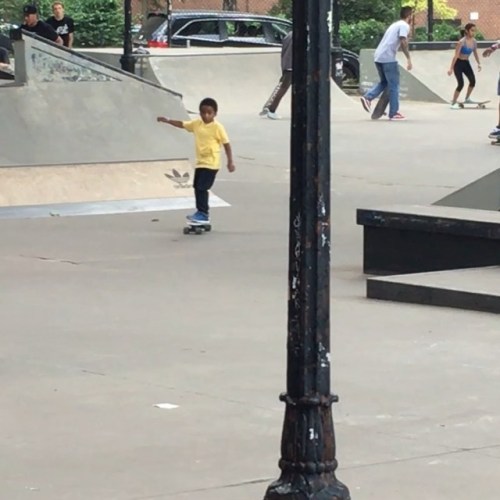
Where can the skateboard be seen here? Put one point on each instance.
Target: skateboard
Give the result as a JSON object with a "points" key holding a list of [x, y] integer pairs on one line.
{"points": [[496, 142], [473, 105], [6, 74], [196, 228], [381, 106]]}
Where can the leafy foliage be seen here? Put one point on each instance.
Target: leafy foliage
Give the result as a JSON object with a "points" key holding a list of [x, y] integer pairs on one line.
{"points": [[441, 8], [442, 32], [98, 23], [361, 35]]}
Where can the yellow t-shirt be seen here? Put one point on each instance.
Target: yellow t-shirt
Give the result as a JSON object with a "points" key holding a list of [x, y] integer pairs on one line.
{"points": [[208, 138]]}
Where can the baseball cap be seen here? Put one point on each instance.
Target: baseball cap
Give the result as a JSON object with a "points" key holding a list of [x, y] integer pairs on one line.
{"points": [[30, 9]]}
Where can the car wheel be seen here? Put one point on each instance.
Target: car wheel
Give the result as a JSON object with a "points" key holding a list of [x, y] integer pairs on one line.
{"points": [[349, 73]]}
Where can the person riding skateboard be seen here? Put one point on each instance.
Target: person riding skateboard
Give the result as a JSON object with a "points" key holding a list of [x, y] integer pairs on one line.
{"points": [[209, 136], [460, 64]]}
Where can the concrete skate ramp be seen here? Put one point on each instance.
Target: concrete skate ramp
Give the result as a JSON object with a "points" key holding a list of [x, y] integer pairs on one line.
{"points": [[482, 194], [240, 80], [411, 87], [71, 109], [96, 188], [428, 81], [430, 68]]}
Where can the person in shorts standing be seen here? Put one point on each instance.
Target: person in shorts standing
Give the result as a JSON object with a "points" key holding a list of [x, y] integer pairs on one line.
{"points": [[62, 24]]}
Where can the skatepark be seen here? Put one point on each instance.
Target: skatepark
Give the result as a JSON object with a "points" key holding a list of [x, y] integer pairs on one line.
{"points": [[106, 316]]}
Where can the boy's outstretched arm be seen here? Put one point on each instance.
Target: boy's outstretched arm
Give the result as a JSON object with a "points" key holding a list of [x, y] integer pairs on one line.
{"points": [[175, 123], [229, 154]]}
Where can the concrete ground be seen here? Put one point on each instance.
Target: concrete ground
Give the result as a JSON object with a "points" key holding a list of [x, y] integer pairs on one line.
{"points": [[104, 317]]}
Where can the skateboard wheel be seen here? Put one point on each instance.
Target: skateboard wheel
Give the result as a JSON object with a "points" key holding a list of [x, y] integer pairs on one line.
{"points": [[208, 228], [185, 230], [198, 230]]}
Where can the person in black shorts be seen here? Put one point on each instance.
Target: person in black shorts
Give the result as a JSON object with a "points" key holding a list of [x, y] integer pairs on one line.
{"points": [[63, 24], [34, 25]]}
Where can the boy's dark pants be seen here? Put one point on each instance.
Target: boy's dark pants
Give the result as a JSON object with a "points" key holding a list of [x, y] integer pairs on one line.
{"points": [[203, 180]]}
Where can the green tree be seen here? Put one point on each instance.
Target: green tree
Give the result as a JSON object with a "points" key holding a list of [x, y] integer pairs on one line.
{"points": [[441, 8], [353, 11], [99, 23], [361, 35]]}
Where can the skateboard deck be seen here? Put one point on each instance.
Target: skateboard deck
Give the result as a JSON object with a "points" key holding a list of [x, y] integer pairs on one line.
{"points": [[6, 74], [381, 106], [473, 105], [196, 228]]}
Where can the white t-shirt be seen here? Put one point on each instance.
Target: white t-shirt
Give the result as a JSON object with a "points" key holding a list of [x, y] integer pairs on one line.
{"points": [[389, 45]]}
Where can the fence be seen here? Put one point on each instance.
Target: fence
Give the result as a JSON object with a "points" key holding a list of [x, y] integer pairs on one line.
{"points": [[254, 6]]}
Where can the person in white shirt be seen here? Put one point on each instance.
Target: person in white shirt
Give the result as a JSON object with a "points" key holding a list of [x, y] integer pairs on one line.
{"points": [[495, 133], [395, 37]]}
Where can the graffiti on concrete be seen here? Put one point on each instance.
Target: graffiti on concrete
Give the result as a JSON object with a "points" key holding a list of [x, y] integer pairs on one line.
{"points": [[50, 68]]}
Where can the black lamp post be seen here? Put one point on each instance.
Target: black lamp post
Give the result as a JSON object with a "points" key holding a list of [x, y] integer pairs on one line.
{"points": [[337, 59], [127, 61], [430, 20], [308, 457]]}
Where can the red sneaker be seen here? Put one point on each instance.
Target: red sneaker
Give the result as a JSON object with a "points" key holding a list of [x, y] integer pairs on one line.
{"points": [[397, 117]]}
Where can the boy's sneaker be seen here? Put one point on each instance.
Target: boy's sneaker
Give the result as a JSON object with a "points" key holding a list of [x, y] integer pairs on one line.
{"points": [[190, 216], [455, 106], [200, 217], [272, 115], [264, 112], [397, 117], [495, 133], [367, 104]]}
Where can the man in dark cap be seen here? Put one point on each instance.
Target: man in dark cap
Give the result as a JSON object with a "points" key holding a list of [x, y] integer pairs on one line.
{"points": [[34, 25]]}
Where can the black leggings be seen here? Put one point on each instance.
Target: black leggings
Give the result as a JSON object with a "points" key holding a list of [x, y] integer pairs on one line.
{"points": [[462, 67]]}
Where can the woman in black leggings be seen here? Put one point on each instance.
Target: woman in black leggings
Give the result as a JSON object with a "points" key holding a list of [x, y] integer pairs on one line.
{"points": [[460, 64]]}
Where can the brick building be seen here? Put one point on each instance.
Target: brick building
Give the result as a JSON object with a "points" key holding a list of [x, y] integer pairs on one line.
{"points": [[487, 13], [488, 10], [255, 6]]}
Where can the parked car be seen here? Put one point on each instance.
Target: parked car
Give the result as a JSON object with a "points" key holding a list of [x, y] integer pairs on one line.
{"points": [[224, 29], [5, 35]]}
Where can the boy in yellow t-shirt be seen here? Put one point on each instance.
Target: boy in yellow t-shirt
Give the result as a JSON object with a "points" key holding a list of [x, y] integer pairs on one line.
{"points": [[209, 135]]}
